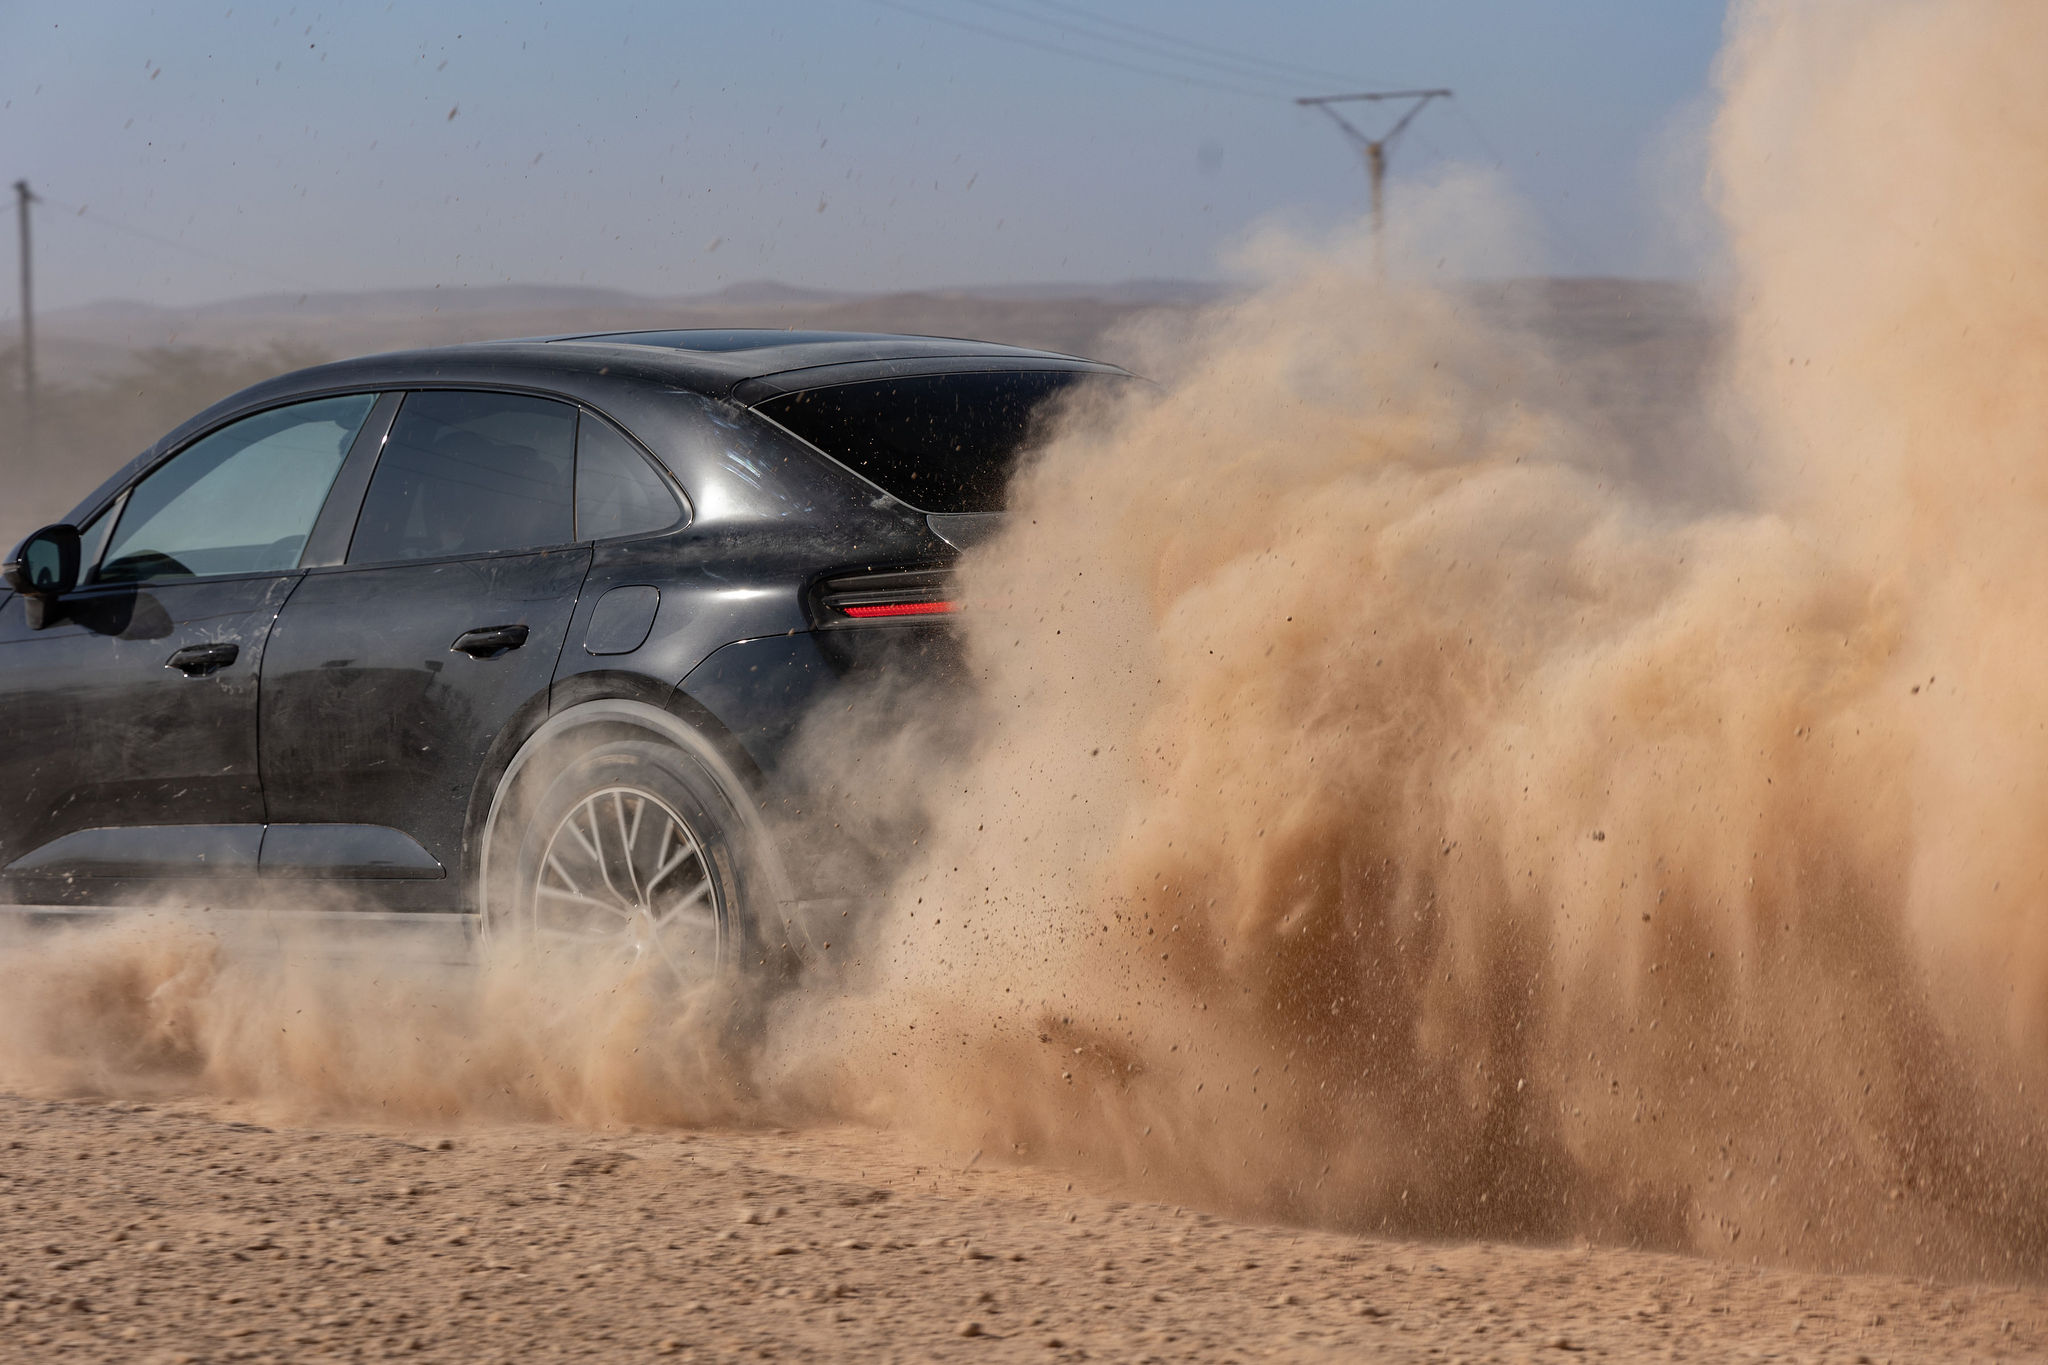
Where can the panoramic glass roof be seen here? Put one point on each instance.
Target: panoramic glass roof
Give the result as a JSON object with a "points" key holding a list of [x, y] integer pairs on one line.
{"points": [[728, 338]]}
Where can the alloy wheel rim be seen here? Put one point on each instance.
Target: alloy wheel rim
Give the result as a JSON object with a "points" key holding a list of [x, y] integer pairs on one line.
{"points": [[623, 872]]}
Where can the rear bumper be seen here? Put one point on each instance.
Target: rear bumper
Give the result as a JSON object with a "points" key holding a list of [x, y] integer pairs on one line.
{"points": [[840, 725], [764, 692]]}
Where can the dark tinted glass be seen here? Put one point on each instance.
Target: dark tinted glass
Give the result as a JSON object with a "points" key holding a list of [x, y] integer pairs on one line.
{"points": [[242, 499], [617, 491], [942, 442], [470, 473], [731, 338]]}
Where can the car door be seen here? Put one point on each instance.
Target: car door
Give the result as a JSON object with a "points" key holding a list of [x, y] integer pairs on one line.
{"points": [[390, 677], [132, 752]]}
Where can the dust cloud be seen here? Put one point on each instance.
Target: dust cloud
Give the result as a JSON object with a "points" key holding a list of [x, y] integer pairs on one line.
{"points": [[1388, 809], [318, 1021], [1393, 815]]}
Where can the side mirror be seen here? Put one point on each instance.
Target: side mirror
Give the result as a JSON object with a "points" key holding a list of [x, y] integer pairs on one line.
{"points": [[42, 568]]}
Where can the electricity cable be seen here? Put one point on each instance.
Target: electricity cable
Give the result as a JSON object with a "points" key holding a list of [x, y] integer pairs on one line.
{"points": [[1292, 71], [1025, 40], [1232, 67], [79, 211]]}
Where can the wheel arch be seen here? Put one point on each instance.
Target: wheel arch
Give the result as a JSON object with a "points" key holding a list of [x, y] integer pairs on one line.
{"points": [[586, 723], [540, 712]]}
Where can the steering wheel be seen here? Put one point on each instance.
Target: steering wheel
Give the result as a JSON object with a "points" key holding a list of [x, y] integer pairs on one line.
{"points": [[141, 565]]}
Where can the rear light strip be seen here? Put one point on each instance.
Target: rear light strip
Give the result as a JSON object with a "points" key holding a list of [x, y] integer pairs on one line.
{"points": [[886, 594], [873, 609]]}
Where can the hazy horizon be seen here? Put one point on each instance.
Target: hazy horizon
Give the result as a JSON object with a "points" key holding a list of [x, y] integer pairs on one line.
{"points": [[512, 295]]}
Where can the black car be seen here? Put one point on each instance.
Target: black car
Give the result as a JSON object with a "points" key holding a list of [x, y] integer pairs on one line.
{"points": [[519, 630]]}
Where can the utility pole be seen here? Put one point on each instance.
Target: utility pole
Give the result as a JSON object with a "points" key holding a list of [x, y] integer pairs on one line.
{"points": [[23, 197], [1374, 148]]}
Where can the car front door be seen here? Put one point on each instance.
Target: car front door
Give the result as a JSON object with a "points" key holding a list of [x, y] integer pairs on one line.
{"points": [[131, 763], [389, 678]]}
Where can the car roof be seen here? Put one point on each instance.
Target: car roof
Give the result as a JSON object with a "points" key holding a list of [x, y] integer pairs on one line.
{"points": [[746, 365], [739, 354], [723, 340], [742, 364], [711, 361]]}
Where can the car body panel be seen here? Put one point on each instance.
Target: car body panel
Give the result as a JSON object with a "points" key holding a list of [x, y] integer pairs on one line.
{"points": [[370, 716], [770, 696], [108, 734]]}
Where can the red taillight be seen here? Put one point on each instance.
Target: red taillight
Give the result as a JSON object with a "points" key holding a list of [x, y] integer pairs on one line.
{"points": [[884, 595], [874, 609]]}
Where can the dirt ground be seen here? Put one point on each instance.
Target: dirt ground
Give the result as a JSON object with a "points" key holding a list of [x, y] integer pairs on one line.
{"points": [[175, 1232]]}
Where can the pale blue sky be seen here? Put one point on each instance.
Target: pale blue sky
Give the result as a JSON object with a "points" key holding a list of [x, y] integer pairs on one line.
{"points": [[846, 143]]}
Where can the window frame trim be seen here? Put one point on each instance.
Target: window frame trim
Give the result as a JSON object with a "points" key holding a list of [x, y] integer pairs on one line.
{"points": [[336, 526], [88, 574]]}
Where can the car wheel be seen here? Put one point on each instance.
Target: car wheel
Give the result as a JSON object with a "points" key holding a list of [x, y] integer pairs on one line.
{"points": [[628, 851]]}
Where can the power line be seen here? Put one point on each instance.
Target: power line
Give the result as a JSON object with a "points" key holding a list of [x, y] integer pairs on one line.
{"points": [[79, 211], [1097, 31], [1458, 108], [1094, 31], [1290, 70], [1025, 40]]}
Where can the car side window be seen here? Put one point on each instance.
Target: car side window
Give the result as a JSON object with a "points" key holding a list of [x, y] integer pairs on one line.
{"points": [[618, 493], [466, 473], [242, 499]]}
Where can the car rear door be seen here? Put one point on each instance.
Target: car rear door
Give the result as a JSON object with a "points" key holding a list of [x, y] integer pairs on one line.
{"points": [[390, 677], [132, 761]]}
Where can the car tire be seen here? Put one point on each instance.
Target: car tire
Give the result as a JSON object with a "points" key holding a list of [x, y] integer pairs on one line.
{"points": [[627, 849]]}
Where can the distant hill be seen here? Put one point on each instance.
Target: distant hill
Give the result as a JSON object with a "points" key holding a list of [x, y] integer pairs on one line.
{"points": [[750, 292], [537, 298], [496, 298], [92, 341]]}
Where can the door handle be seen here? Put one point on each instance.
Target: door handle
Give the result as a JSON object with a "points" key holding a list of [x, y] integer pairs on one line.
{"points": [[196, 661], [489, 642]]}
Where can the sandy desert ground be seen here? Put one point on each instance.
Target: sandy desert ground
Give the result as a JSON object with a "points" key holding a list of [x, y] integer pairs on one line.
{"points": [[201, 1232]]}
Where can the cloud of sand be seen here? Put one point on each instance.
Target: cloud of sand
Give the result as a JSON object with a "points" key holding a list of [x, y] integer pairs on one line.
{"points": [[318, 1021], [1384, 812], [1389, 817]]}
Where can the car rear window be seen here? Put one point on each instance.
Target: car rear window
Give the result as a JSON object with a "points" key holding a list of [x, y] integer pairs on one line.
{"points": [[940, 442]]}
